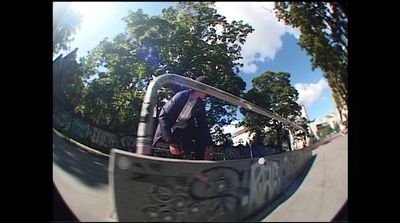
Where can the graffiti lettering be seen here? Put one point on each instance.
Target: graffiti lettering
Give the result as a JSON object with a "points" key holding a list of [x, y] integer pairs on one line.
{"points": [[62, 121], [169, 203], [127, 142], [265, 183], [209, 191], [222, 187], [103, 138], [97, 136], [79, 129], [215, 182]]}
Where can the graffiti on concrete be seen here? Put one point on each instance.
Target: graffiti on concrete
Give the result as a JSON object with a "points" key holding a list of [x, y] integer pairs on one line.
{"points": [[221, 187], [127, 142], [216, 182], [169, 203], [104, 138], [61, 120], [166, 190], [79, 129], [96, 136], [212, 193], [265, 183]]}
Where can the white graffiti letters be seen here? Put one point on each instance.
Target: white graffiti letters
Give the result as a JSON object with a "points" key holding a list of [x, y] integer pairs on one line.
{"points": [[264, 183], [103, 138]]}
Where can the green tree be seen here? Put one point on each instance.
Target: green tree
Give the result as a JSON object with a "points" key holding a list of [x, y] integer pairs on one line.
{"points": [[115, 83], [185, 41], [181, 40], [219, 137], [325, 131], [324, 35], [67, 73], [66, 21], [273, 92]]}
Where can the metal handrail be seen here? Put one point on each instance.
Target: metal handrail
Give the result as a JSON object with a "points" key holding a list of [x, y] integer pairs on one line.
{"points": [[146, 123]]}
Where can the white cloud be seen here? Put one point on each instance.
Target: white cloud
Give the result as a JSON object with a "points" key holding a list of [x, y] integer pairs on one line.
{"points": [[310, 92], [265, 40], [249, 67]]}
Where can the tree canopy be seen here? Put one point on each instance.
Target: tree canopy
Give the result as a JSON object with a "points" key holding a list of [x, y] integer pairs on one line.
{"points": [[273, 92], [108, 85], [66, 21], [190, 40], [324, 35]]}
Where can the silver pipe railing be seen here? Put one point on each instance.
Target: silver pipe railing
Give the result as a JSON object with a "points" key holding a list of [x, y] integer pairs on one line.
{"points": [[145, 131]]}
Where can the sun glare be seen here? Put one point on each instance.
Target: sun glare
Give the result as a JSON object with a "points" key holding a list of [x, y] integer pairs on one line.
{"points": [[91, 10]]}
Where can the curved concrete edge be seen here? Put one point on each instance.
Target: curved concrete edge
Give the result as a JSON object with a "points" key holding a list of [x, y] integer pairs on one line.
{"points": [[80, 145], [259, 216], [324, 190], [236, 189]]}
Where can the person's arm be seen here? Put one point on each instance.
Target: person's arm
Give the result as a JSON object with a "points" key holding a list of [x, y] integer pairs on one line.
{"points": [[165, 120], [166, 123]]}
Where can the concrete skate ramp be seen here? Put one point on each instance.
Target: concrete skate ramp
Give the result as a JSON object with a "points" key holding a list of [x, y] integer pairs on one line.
{"points": [[145, 188]]}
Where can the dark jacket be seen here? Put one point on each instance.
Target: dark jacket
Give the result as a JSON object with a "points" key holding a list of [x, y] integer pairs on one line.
{"points": [[170, 112]]}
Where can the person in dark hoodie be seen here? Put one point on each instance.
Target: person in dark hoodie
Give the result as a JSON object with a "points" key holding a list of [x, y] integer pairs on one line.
{"points": [[182, 124]]}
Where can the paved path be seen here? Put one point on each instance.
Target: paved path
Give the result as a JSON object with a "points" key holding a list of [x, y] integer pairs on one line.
{"points": [[81, 178], [324, 189]]}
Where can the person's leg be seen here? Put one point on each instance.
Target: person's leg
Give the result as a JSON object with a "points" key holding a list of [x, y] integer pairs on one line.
{"points": [[191, 139], [200, 146], [185, 140]]}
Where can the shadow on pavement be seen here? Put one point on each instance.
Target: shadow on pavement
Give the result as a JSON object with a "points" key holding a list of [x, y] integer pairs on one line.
{"points": [[91, 169], [259, 216]]}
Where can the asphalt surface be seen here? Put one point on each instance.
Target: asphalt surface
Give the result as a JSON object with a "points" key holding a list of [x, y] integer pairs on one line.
{"points": [[81, 178], [324, 189]]}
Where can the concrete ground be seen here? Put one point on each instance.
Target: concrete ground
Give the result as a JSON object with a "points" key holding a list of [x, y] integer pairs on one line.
{"points": [[81, 177], [323, 191]]}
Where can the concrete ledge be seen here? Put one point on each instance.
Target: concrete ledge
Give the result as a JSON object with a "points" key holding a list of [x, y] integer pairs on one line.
{"points": [[80, 145], [292, 188], [199, 190], [323, 191]]}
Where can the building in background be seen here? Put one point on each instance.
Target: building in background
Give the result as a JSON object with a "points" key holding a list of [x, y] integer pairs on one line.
{"points": [[63, 71], [242, 136], [331, 120]]}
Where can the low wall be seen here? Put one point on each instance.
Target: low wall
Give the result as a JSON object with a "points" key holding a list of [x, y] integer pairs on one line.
{"points": [[148, 188], [90, 135]]}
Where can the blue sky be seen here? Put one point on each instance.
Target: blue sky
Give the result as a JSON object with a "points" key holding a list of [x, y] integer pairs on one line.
{"points": [[272, 46]]}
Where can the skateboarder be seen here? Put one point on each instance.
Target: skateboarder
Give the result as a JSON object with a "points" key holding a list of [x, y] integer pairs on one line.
{"points": [[182, 124]]}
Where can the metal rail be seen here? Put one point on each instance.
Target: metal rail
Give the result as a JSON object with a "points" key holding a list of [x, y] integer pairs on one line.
{"points": [[145, 129]]}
